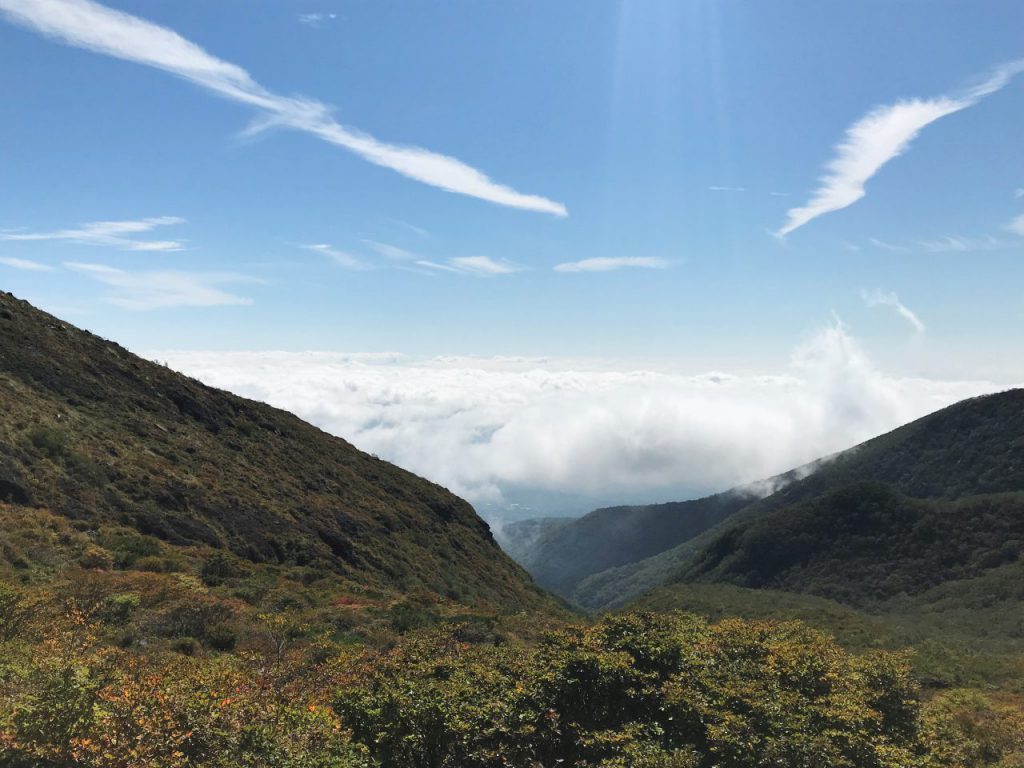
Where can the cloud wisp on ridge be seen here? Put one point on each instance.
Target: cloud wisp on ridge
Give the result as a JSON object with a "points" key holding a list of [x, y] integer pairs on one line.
{"points": [[612, 263], [879, 298], [95, 27], [881, 135], [146, 290], [116, 234]]}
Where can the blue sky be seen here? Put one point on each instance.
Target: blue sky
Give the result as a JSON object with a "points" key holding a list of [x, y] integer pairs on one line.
{"points": [[627, 113]]}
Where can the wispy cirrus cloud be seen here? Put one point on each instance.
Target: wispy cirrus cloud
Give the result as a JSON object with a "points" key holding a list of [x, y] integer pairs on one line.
{"points": [[472, 265], [609, 264], [95, 27], [1017, 225], [883, 134], [419, 231], [727, 189], [879, 298], [316, 19], [887, 246], [339, 257], [946, 244], [24, 264], [144, 290], [114, 234], [389, 251], [957, 244]]}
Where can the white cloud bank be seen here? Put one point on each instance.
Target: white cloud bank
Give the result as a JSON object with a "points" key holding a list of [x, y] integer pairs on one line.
{"points": [[145, 290], [883, 134], [116, 234], [487, 428], [95, 27], [880, 298]]}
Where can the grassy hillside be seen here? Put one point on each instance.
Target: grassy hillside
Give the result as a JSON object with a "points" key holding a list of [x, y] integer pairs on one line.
{"points": [[111, 441]]}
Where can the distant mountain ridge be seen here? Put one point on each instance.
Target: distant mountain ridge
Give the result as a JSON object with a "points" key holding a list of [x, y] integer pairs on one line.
{"points": [[561, 553], [935, 501], [95, 433]]}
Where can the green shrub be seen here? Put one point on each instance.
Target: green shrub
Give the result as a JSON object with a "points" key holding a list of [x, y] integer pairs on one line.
{"points": [[155, 564], [219, 567], [96, 558], [119, 608], [222, 638], [186, 646], [638, 690], [51, 442], [16, 612]]}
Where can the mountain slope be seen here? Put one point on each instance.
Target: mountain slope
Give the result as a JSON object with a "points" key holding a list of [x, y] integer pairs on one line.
{"points": [[98, 435], [865, 543], [971, 449], [565, 555]]}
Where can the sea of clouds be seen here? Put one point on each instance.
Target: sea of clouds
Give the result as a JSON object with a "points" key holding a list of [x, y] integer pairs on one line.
{"points": [[492, 428]]}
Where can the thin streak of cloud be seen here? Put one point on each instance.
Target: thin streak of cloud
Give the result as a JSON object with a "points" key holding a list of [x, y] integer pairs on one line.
{"points": [[472, 265], [390, 251], [148, 290], [1018, 194], [113, 234], [426, 263], [1017, 225], [90, 25], [609, 264], [883, 134], [316, 19], [420, 231], [878, 298], [24, 264], [885, 246], [956, 244], [339, 257], [727, 189], [435, 265], [483, 265], [947, 244]]}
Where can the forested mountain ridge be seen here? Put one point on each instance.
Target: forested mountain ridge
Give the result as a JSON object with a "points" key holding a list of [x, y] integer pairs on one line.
{"points": [[566, 554], [98, 435], [928, 472]]}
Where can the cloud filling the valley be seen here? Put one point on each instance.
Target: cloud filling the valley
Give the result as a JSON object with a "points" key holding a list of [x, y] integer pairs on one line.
{"points": [[484, 426]]}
